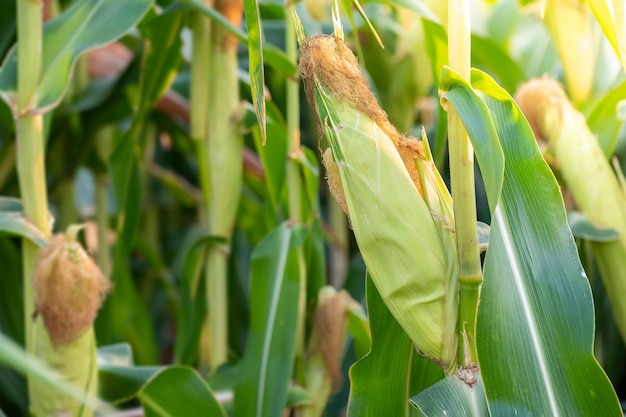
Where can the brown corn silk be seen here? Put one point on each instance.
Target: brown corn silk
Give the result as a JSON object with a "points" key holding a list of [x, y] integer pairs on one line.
{"points": [[69, 289], [340, 73]]}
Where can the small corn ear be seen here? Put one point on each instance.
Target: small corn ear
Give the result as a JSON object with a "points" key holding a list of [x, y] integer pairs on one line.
{"points": [[396, 233], [569, 24]]}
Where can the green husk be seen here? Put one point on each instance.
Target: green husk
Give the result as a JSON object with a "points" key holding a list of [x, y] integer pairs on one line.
{"points": [[81, 371], [69, 288], [400, 239]]}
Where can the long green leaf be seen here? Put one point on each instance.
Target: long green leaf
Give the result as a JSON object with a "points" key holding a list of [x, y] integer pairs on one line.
{"points": [[161, 57], [384, 380], [179, 391], [535, 320], [452, 397], [85, 25], [255, 52], [273, 154], [268, 361]]}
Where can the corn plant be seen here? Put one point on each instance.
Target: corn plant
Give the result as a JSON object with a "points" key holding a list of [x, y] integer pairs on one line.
{"points": [[242, 208]]}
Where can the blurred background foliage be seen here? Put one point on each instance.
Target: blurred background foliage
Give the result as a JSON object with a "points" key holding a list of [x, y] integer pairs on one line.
{"points": [[130, 99]]}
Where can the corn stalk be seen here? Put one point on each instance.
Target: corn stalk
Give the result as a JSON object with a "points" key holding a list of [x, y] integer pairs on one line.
{"points": [[462, 178], [30, 154], [214, 105]]}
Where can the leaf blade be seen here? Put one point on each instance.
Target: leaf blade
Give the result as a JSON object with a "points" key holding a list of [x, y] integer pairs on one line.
{"points": [[265, 375], [83, 26], [535, 318]]}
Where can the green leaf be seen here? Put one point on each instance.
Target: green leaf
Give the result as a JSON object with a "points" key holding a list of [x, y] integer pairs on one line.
{"points": [[613, 24], [193, 304], [14, 222], [117, 354], [489, 56], [358, 326], [255, 53], [273, 154], [452, 397], [604, 120], [161, 56], [582, 228], [118, 384], [266, 369], [535, 323], [383, 381], [85, 25], [163, 391], [178, 391]]}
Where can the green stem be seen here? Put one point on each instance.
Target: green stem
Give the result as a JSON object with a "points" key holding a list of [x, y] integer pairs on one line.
{"points": [[294, 181], [199, 98], [30, 151], [462, 178], [293, 123], [29, 35], [104, 141], [103, 256], [220, 155]]}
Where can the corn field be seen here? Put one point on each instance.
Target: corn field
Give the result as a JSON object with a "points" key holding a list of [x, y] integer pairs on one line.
{"points": [[312, 209]]}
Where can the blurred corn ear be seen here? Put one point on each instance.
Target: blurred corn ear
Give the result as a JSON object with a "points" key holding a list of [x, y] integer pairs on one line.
{"points": [[574, 151], [412, 266], [326, 346], [569, 24]]}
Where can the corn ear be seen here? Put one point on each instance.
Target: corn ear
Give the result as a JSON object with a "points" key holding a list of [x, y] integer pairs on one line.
{"points": [[326, 346], [569, 24], [588, 176], [69, 289], [396, 233], [77, 361]]}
